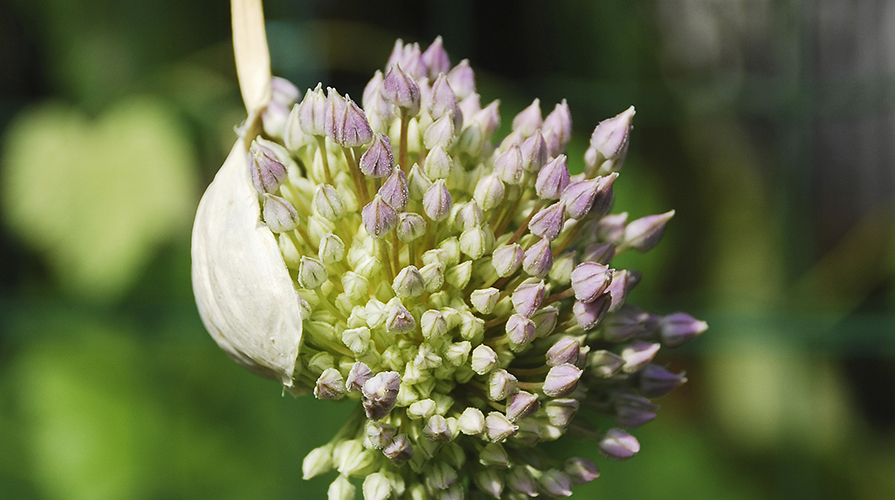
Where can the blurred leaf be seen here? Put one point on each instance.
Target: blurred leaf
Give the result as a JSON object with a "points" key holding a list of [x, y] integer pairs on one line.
{"points": [[97, 196]]}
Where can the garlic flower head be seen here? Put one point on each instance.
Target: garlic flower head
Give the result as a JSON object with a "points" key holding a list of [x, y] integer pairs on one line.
{"points": [[460, 291]]}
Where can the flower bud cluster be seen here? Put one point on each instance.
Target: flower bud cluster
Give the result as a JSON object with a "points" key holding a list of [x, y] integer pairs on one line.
{"points": [[460, 290]]}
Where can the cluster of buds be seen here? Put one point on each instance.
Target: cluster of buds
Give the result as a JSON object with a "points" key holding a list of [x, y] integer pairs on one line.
{"points": [[460, 290]]}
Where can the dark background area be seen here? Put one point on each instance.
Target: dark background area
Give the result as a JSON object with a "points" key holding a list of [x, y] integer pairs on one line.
{"points": [[769, 126]]}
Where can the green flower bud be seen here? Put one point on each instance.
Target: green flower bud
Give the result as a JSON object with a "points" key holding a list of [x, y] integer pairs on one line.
{"points": [[331, 249], [484, 300], [409, 283], [422, 409], [311, 273], [494, 455], [318, 461], [377, 487], [471, 421], [340, 489]]}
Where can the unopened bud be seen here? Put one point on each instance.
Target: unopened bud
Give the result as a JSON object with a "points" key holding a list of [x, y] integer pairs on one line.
{"points": [[521, 480], [410, 226], [471, 421], [318, 461], [433, 276], [501, 384], [401, 90], [556, 483], [590, 280], [552, 179], [442, 99], [561, 411], [433, 324], [581, 470], [610, 137], [490, 482], [494, 455], [409, 283], [357, 339], [521, 404], [507, 259], [267, 170], [422, 409], [561, 380], [645, 232], [311, 273], [484, 300], [498, 427], [520, 331], [340, 489], [489, 192], [557, 128], [459, 275], [545, 320], [377, 487], [312, 111], [345, 123], [655, 381], [399, 451], [548, 223], [538, 259], [331, 249], [589, 314], [579, 196], [508, 166], [604, 364], [329, 203], [633, 411], [379, 218], [637, 355], [534, 152], [565, 350], [436, 59], [437, 201], [618, 444], [484, 359], [462, 79], [529, 120], [440, 132], [438, 163], [279, 214], [399, 319], [679, 328]]}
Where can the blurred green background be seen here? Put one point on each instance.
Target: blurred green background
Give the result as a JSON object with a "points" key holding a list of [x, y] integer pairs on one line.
{"points": [[768, 125]]}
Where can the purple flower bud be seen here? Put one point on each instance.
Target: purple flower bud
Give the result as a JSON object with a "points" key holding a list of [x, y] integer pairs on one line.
{"points": [[283, 96], [469, 216], [399, 451], [437, 201], [622, 283], [380, 434], [442, 101], [506, 259], [561, 380], [589, 314], [501, 384], [581, 470], [312, 112], [565, 350], [436, 429], [380, 394], [344, 122], [521, 480], [358, 376], [610, 137], [527, 298], [545, 320], [379, 159], [488, 119], [489, 192], [438, 163], [645, 232], [552, 179], [633, 411], [611, 228], [528, 121], [410, 226], [521, 405], [520, 331], [279, 214], [604, 199], [561, 411], [462, 79], [379, 218], [617, 444], [625, 324], [557, 128], [508, 166], [548, 223], [555, 484], [604, 364], [441, 131], [399, 319], [267, 171], [590, 280], [637, 355], [408, 57], [534, 152], [436, 59], [330, 385], [679, 328], [394, 190], [401, 90], [538, 259], [579, 197], [498, 427], [469, 105], [602, 253], [655, 381]]}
